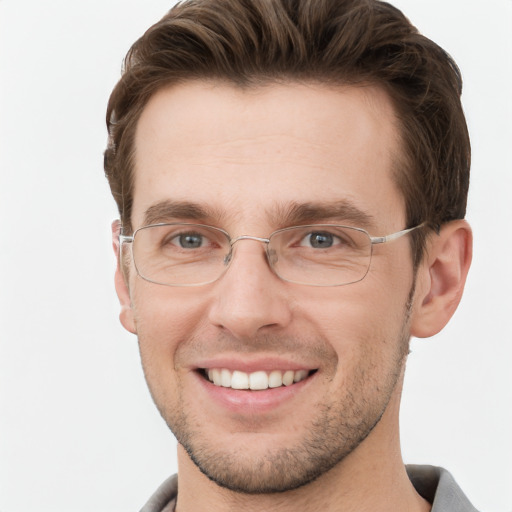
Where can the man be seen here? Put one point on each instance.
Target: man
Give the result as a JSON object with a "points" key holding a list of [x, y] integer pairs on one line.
{"points": [[291, 178]]}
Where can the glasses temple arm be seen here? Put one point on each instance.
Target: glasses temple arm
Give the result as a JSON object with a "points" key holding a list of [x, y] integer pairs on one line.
{"points": [[125, 239], [394, 236]]}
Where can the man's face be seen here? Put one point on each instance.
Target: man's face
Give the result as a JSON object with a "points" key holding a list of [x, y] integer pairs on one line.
{"points": [[244, 161]]}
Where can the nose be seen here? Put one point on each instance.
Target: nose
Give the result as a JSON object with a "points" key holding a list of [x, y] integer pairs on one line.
{"points": [[249, 298]]}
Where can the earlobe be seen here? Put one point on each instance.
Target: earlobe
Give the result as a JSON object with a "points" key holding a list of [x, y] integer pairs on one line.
{"points": [[121, 285], [441, 278]]}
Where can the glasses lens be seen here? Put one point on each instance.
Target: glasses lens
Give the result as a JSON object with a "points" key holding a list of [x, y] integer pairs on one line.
{"points": [[321, 255], [180, 254]]}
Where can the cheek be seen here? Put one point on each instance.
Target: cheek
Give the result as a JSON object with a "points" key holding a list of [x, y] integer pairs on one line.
{"points": [[354, 311], [164, 309], [165, 318], [363, 322]]}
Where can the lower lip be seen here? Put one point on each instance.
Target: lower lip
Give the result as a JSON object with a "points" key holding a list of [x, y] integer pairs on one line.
{"points": [[248, 401]]}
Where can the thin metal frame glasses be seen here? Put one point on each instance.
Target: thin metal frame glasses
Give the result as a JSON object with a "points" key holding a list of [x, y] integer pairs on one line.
{"points": [[187, 254]]}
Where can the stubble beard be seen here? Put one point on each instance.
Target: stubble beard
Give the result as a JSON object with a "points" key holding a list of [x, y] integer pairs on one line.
{"points": [[337, 430]]}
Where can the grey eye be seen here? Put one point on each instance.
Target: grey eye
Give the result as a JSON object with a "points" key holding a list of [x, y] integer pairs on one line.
{"points": [[189, 241], [319, 240]]}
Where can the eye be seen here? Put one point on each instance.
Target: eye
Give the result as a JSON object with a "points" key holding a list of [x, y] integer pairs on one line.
{"points": [[189, 240], [320, 240]]}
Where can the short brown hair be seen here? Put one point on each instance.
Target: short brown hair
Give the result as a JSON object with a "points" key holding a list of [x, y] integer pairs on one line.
{"points": [[253, 42]]}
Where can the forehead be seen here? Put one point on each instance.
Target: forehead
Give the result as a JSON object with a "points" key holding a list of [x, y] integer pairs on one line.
{"points": [[249, 153]]}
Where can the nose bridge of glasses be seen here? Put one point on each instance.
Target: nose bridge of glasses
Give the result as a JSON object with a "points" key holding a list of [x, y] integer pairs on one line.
{"points": [[248, 237], [228, 257]]}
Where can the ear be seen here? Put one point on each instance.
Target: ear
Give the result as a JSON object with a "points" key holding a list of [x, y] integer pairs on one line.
{"points": [[441, 278], [123, 292]]}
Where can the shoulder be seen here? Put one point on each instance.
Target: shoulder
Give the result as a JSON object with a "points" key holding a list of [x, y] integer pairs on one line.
{"points": [[164, 498], [439, 487]]}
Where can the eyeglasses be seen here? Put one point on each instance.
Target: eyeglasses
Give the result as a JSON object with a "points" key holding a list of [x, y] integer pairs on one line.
{"points": [[183, 254]]}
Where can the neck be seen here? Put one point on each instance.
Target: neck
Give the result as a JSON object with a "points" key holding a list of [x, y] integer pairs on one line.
{"points": [[372, 478]]}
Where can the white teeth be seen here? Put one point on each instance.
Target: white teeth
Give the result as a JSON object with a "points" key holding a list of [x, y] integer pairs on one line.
{"points": [[215, 377], [275, 379], [300, 375], [256, 380], [239, 380], [225, 378], [288, 378]]}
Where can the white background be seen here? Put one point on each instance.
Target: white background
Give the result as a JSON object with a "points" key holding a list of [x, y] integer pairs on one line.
{"points": [[78, 431]]}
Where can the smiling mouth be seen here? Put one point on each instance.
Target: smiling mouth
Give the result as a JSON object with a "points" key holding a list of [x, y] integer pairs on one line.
{"points": [[255, 381]]}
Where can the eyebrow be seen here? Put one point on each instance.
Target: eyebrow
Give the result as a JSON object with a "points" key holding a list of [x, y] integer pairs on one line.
{"points": [[339, 211], [281, 215], [168, 210]]}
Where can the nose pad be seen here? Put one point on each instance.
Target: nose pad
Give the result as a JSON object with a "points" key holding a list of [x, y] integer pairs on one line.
{"points": [[272, 257], [229, 256]]}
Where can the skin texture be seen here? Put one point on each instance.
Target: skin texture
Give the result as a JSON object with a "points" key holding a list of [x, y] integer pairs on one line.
{"points": [[246, 158]]}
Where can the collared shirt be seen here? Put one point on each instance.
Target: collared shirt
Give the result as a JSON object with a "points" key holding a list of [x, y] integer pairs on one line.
{"points": [[438, 487], [435, 484]]}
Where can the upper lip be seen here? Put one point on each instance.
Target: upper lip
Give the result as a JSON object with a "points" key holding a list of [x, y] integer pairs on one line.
{"points": [[250, 365]]}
